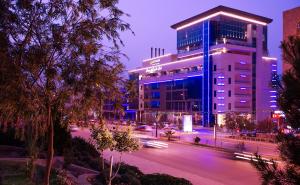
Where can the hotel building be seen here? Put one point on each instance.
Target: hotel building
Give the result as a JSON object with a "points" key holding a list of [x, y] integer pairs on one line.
{"points": [[221, 65]]}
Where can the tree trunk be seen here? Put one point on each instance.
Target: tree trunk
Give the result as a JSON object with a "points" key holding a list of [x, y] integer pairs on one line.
{"points": [[101, 162], [110, 170], [50, 149]]}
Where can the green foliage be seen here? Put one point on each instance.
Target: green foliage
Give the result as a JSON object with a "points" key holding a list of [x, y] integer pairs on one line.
{"points": [[118, 140], [15, 173], [132, 175], [125, 142], [271, 174], [58, 57], [134, 171], [132, 88], [289, 95], [127, 175], [244, 123], [155, 179], [103, 138], [288, 145], [61, 178], [230, 122], [169, 134], [235, 121], [8, 137], [85, 154], [62, 139], [266, 126]]}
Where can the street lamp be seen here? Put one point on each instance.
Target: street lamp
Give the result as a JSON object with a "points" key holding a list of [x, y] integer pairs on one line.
{"points": [[156, 118]]}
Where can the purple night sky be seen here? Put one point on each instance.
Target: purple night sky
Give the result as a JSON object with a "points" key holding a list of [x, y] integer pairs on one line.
{"points": [[151, 21]]}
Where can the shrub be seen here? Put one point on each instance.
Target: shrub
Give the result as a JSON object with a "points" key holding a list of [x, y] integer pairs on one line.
{"points": [[266, 126], [8, 137], [61, 178], [85, 154], [62, 139], [155, 179], [128, 169], [126, 179], [197, 140], [169, 134]]}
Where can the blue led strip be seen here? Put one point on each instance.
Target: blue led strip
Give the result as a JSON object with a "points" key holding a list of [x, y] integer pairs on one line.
{"points": [[207, 77]]}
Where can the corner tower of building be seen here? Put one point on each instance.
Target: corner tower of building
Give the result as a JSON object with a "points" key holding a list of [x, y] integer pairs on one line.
{"points": [[291, 27]]}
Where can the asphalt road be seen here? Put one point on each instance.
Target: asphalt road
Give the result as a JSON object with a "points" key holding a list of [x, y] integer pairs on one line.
{"points": [[200, 165]]}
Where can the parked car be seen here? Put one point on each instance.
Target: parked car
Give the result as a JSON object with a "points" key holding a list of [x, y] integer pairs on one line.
{"points": [[145, 128], [248, 133]]}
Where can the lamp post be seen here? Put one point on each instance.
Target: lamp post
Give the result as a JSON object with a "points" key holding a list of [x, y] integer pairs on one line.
{"points": [[156, 118]]}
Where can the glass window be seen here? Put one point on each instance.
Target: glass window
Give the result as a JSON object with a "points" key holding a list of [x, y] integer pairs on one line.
{"points": [[155, 86], [190, 37], [229, 93], [155, 104], [229, 80], [229, 67], [155, 95]]}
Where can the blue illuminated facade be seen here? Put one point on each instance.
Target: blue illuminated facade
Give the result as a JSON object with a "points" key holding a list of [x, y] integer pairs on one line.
{"points": [[207, 77]]}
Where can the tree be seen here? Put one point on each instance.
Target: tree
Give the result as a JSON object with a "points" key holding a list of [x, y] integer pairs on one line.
{"points": [[235, 121], [289, 102], [57, 58], [266, 125], [230, 122], [124, 143], [118, 140], [289, 95], [169, 134], [244, 123], [103, 140]]}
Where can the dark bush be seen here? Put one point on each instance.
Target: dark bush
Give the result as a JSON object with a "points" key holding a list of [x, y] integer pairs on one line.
{"points": [[62, 139], [8, 138], [126, 179], [197, 140], [85, 154], [125, 168], [155, 179]]}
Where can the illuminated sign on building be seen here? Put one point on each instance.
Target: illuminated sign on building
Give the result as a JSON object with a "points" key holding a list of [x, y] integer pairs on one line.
{"points": [[155, 66], [153, 69], [155, 62]]}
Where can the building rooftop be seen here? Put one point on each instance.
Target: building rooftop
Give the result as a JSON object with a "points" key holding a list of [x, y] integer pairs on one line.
{"points": [[222, 10], [292, 10]]}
